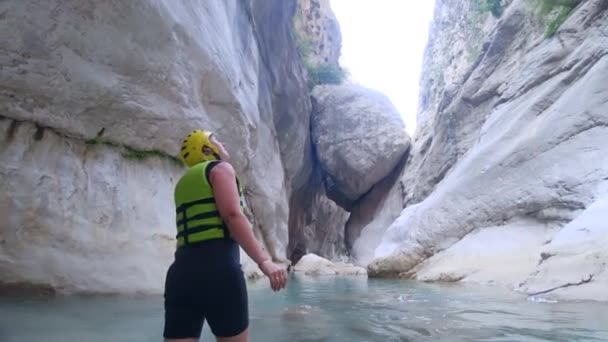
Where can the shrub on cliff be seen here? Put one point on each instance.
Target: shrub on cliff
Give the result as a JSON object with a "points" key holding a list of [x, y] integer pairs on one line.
{"points": [[553, 13], [324, 74], [493, 6], [318, 73]]}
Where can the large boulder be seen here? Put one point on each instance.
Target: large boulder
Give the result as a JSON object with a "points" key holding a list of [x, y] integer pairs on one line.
{"points": [[359, 138]]}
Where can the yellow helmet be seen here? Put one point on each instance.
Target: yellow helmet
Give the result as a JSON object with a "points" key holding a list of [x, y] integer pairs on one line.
{"points": [[193, 146]]}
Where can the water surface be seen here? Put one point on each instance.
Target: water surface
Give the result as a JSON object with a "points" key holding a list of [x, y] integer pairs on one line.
{"points": [[323, 309]]}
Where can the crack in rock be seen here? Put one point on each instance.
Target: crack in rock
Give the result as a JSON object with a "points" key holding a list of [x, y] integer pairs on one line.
{"points": [[582, 282]]}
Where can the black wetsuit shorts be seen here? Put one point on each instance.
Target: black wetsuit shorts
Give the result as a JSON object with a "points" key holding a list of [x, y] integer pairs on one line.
{"points": [[206, 283]]}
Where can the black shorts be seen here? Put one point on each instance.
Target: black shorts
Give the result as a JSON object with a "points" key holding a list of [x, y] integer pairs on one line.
{"points": [[196, 291]]}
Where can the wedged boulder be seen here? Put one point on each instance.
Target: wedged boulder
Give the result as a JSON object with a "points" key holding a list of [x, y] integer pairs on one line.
{"points": [[359, 138], [314, 265]]}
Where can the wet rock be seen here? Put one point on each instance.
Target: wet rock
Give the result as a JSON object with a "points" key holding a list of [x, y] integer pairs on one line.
{"points": [[314, 265]]}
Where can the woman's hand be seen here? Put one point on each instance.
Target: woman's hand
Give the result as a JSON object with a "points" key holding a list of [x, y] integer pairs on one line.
{"points": [[276, 274]]}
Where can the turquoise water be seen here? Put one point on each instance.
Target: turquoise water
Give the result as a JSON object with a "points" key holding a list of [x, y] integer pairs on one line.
{"points": [[323, 309]]}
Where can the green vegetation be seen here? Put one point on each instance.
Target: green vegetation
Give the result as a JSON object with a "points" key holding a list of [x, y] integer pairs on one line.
{"points": [[101, 142], [545, 7], [474, 31], [553, 13], [133, 154], [472, 53], [304, 44], [324, 74], [554, 24], [495, 7], [318, 73]]}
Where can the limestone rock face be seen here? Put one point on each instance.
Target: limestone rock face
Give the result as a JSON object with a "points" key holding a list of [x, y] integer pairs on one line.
{"points": [[509, 158], [456, 40], [574, 264], [84, 219], [317, 227], [359, 138], [498, 255], [318, 32], [95, 98], [373, 214]]}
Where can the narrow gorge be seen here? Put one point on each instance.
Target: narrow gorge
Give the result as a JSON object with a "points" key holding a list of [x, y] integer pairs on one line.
{"points": [[504, 182]]}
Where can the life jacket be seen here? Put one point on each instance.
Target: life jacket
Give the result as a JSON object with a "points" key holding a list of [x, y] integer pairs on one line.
{"points": [[197, 217]]}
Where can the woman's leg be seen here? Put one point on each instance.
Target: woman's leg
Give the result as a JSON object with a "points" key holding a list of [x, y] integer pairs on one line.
{"points": [[228, 312], [184, 316]]}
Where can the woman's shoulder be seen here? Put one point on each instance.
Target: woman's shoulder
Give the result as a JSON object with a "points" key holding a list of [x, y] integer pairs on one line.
{"points": [[219, 168]]}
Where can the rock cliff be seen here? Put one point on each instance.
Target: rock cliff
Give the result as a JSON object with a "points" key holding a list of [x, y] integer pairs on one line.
{"points": [[94, 101], [508, 171], [95, 98], [318, 31], [505, 181]]}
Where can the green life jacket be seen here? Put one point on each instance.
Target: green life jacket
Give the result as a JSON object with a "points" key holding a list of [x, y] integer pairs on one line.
{"points": [[197, 216]]}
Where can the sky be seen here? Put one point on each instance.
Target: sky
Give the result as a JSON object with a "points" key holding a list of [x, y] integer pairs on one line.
{"points": [[383, 43]]}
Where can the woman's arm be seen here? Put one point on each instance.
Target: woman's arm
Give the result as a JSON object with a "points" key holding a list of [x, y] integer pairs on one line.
{"points": [[228, 202]]}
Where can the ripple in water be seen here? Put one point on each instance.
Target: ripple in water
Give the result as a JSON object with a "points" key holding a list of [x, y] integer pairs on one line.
{"points": [[324, 309]]}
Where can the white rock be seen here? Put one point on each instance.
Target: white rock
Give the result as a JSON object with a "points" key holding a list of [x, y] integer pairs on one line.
{"points": [[318, 31], [456, 37], [371, 216], [522, 138], [141, 74], [500, 255], [314, 265], [82, 218], [576, 254]]}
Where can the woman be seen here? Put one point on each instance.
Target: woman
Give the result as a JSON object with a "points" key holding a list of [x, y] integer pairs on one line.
{"points": [[205, 281]]}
